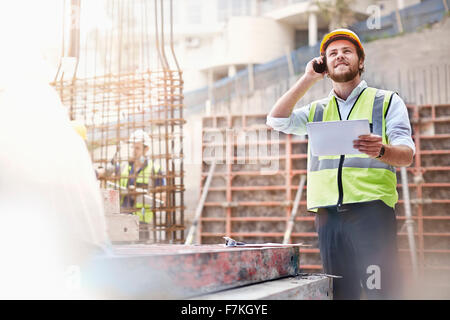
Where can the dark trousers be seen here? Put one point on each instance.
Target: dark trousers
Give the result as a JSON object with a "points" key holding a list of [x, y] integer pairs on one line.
{"points": [[360, 244]]}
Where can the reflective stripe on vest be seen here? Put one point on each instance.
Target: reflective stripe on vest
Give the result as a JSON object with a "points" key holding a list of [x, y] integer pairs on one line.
{"points": [[334, 180], [142, 178]]}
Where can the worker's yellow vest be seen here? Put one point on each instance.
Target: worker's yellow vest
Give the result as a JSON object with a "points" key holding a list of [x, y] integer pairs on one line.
{"points": [[143, 207], [336, 180]]}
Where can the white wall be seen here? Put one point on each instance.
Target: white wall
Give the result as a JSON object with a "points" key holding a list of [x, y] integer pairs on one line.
{"points": [[390, 5], [257, 40], [243, 40]]}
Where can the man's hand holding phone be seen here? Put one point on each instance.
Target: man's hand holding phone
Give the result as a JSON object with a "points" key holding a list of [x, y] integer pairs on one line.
{"points": [[315, 65], [284, 106]]}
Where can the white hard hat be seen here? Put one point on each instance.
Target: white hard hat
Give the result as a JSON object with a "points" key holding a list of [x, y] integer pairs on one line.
{"points": [[140, 136]]}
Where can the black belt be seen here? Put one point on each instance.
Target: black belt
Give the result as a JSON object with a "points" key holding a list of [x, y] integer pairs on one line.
{"points": [[349, 206], [341, 208], [345, 207]]}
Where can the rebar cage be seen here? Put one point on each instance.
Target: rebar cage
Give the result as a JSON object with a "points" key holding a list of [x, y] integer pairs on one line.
{"points": [[116, 89]]}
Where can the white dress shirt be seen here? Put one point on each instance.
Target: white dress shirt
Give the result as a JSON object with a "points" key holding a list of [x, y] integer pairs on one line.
{"points": [[398, 128]]}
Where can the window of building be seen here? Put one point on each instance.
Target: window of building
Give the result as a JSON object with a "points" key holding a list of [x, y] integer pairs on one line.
{"points": [[194, 12], [240, 7], [233, 8], [222, 10]]}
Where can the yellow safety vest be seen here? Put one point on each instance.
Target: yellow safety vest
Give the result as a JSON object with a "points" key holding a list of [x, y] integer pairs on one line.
{"points": [[345, 179], [143, 178]]}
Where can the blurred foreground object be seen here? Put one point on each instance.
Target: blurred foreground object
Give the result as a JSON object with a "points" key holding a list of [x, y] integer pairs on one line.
{"points": [[80, 129], [51, 207]]}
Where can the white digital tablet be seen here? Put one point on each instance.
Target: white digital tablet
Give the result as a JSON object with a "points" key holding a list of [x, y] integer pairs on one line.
{"points": [[330, 138]]}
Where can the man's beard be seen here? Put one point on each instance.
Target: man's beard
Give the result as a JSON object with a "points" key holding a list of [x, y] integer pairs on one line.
{"points": [[346, 76]]}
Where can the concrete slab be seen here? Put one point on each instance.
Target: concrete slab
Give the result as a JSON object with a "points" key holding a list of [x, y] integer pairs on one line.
{"points": [[111, 201], [122, 227], [179, 271], [291, 288]]}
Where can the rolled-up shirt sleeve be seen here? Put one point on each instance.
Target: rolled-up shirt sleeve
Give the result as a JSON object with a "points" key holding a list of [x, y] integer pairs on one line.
{"points": [[294, 124], [398, 126]]}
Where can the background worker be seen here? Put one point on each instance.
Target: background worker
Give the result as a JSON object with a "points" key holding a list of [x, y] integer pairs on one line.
{"points": [[354, 195], [140, 173]]}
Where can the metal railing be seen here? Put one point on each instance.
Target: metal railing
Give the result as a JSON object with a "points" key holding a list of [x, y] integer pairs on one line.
{"points": [[271, 74]]}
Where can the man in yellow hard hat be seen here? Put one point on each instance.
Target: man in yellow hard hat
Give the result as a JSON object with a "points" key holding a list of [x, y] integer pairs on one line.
{"points": [[354, 195]]}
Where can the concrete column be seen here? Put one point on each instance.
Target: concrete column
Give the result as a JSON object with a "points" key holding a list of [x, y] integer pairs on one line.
{"points": [[232, 71], [287, 51], [312, 29], [74, 44], [251, 79], [210, 86], [400, 5], [254, 8]]}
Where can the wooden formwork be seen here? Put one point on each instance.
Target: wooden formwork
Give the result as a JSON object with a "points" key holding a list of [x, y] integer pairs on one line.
{"points": [[254, 185], [429, 184], [250, 204]]}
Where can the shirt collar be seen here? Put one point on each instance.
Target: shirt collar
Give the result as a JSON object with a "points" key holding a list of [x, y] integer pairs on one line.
{"points": [[360, 87]]}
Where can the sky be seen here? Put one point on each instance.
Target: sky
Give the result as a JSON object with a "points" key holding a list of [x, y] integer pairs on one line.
{"points": [[31, 33]]}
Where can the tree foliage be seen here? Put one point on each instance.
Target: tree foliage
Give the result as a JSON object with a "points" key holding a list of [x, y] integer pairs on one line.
{"points": [[338, 13]]}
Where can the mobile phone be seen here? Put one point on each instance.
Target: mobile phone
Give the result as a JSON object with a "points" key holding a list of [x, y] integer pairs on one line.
{"points": [[320, 67]]}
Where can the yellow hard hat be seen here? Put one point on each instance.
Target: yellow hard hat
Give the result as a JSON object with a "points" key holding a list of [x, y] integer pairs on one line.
{"points": [[339, 33], [80, 129]]}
